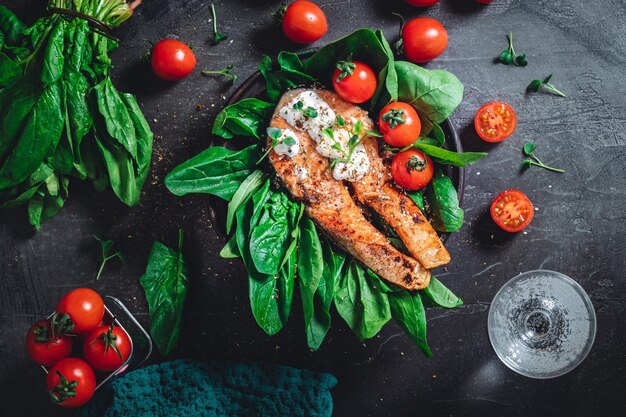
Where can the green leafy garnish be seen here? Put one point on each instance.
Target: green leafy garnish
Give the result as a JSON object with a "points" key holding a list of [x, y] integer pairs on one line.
{"points": [[536, 85], [310, 112], [529, 149], [217, 36], [165, 284], [298, 105], [105, 247], [346, 68], [394, 117], [375, 133], [509, 57], [226, 72], [340, 121]]}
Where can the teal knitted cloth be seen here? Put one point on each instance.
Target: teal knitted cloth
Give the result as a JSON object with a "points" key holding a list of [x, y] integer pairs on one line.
{"points": [[185, 388]]}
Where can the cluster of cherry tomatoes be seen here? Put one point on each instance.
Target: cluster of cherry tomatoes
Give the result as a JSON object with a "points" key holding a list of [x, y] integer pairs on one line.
{"points": [[77, 327]]}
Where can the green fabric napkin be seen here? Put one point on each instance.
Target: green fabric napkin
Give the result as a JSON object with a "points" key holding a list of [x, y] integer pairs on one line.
{"points": [[186, 388]]}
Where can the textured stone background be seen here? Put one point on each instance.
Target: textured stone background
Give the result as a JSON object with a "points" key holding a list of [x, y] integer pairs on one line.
{"points": [[579, 228]]}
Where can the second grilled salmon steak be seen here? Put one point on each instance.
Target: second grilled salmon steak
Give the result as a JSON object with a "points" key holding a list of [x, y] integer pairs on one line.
{"points": [[308, 176]]}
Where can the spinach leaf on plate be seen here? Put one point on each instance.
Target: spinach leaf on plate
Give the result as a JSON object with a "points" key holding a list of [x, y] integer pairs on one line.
{"points": [[435, 94], [290, 74], [248, 117], [216, 170], [310, 269], [443, 202], [439, 295], [165, 284], [446, 157], [407, 309], [360, 302], [252, 183]]}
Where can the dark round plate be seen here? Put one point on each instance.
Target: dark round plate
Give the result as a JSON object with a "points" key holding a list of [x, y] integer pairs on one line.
{"points": [[254, 86]]}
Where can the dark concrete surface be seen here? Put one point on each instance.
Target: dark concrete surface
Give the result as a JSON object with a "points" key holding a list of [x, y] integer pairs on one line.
{"points": [[579, 228]]}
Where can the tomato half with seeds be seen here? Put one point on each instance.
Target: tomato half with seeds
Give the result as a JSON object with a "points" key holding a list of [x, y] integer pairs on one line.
{"points": [[412, 169], [399, 124], [495, 121], [354, 81], [512, 210], [107, 348], [71, 382], [304, 22], [45, 348]]}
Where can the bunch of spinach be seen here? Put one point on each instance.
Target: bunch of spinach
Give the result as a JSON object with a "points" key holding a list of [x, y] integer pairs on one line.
{"points": [[61, 115], [279, 243]]}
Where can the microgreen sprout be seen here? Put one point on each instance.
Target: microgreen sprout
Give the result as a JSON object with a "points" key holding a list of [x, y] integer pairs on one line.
{"points": [[226, 72], [536, 85], [105, 247], [217, 36], [529, 149], [275, 134], [509, 57]]}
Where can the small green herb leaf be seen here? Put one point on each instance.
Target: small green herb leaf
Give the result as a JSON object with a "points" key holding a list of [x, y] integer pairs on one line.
{"points": [[217, 36], [340, 121], [374, 133], [274, 132], [536, 85], [529, 148], [310, 112], [508, 56], [299, 105], [105, 247], [289, 141], [226, 72]]}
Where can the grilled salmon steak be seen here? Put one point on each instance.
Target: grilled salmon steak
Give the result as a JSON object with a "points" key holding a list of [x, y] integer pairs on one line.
{"points": [[315, 156]]}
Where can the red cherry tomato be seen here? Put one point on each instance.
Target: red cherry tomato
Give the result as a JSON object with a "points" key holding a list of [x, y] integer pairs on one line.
{"points": [[304, 22], [412, 169], [495, 121], [422, 3], [172, 60], [512, 210], [354, 81], [399, 124], [43, 348], [84, 306], [71, 382], [107, 348], [423, 39]]}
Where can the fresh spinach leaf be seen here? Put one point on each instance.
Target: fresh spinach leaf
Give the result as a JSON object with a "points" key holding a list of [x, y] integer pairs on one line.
{"points": [[362, 304], [217, 170], [435, 94], [165, 284], [53, 58], [115, 116], [418, 199], [407, 309], [248, 117], [443, 202], [290, 74], [252, 183], [9, 70], [11, 27], [230, 250], [439, 295], [446, 157], [310, 269]]}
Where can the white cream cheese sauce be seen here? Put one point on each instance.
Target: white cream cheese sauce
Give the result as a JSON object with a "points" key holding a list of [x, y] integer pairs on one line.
{"points": [[283, 149], [352, 170]]}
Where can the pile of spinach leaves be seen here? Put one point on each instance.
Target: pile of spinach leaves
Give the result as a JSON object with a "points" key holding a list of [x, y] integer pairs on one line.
{"points": [[270, 231], [61, 116]]}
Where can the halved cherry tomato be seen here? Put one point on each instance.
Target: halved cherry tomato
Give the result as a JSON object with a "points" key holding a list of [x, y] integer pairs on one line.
{"points": [[512, 210], [399, 124], [172, 60], [412, 169], [71, 382], [44, 348], [107, 348], [354, 81], [84, 306], [495, 121], [304, 22], [423, 39], [422, 3]]}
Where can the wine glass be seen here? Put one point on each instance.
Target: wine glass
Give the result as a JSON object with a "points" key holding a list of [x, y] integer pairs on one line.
{"points": [[541, 324]]}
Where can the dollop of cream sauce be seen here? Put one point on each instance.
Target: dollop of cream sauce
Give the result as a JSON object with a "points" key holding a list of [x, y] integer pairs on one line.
{"points": [[290, 150], [359, 163]]}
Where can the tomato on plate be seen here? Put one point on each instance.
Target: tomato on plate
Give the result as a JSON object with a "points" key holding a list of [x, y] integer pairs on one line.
{"points": [[304, 22], [423, 39], [172, 60], [495, 121], [45, 348], [412, 169], [84, 306], [422, 3], [354, 81], [399, 124], [107, 348], [512, 210], [71, 382]]}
